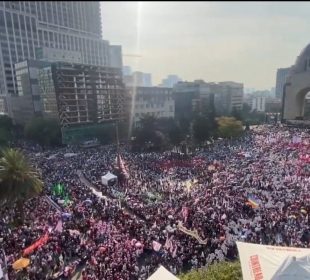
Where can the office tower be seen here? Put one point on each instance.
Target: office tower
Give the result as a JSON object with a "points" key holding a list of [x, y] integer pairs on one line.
{"points": [[282, 73], [28, 29]]}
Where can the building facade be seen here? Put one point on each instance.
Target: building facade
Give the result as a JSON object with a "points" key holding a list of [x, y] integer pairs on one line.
{"points": [[228, 96], [170, 81], [27, 104], [190, 97], [26, 26], [138, 79], [152, 101], [258, 103], [282, 73], [78, 95], [195, 97]]}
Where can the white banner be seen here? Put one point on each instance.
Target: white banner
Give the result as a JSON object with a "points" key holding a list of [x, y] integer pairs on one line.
{"points": [[264, 262]]}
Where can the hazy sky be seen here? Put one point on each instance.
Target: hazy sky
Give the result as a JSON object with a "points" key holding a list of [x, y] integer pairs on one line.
{"points": [[215, 41]]}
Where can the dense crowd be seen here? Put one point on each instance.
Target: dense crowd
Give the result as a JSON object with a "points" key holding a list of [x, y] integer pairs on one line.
{"points": [[183, 212]]}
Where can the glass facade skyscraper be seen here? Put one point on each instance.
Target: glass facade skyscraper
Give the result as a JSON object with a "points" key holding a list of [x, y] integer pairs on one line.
{"points": [[26, 27]]}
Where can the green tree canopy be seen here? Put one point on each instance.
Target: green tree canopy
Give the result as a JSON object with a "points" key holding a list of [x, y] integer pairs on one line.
{"points": [[229, 127], [219, 271], [18, 180], [201, 128], [45, 132], [6, 129]]}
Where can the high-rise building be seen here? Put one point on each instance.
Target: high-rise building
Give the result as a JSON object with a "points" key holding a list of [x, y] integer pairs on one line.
{"points": [[138, 79], [127, 70], [26, 27], [282, 73], [170, 81]]}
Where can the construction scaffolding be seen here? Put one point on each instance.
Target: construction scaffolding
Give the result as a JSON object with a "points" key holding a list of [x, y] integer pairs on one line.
{"points": [[88, 94]]}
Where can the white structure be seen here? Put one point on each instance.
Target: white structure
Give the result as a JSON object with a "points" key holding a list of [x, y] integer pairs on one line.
{"points": [[296, 87], [273, 262], [108, 179], [154, 101], [162, 274], [259, 102]]}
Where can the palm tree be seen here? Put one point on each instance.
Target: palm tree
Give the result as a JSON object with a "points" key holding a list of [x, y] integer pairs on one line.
{"points": [[18, 180]]}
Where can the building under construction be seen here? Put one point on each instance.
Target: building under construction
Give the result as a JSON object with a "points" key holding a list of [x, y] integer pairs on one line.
{"points": [[86, 96]]}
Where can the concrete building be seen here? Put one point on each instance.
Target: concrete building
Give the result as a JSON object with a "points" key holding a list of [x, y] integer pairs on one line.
{"points": [[258, 103], [70, 26], [53, 55], [282, 74], [273, 105], [127, 70], [170, 81], [154, 101], [190, 97], [138, 79], [297, 87], [194, 97], [115, 55], [227, 96], [28, 102], [79, 95]]}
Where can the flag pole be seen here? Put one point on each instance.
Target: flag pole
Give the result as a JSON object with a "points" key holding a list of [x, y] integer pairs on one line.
{"points": [[117, 146]]}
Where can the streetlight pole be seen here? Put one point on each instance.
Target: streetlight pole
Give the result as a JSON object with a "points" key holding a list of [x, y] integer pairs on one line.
{"points": [[6, 277]]}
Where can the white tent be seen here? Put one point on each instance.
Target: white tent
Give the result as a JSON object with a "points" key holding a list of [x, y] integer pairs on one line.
{"points": [[273, 262], [67, 155], [293, 267], [108, 178], [162, 274]]}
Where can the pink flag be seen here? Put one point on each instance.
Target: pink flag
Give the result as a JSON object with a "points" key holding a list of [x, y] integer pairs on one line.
{"points": [[156, 246], [171, 247], [167, 244], [174, 253], [185, 213], [59, 227]]}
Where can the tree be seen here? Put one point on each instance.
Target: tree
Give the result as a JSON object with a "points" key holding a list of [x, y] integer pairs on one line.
{"points": [[237, 114], [6, 129], [171, 129], [18, 181], [151, 133], [6, 122], [45, 132], [229, 127], [201, 128], [219, 271]]}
